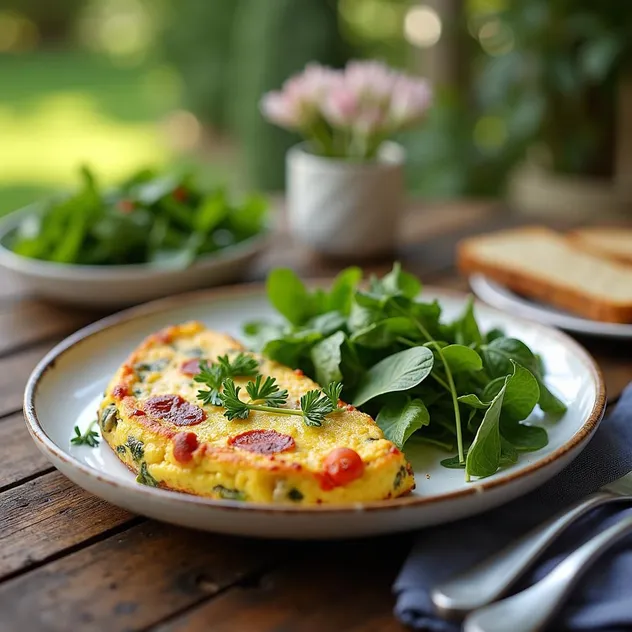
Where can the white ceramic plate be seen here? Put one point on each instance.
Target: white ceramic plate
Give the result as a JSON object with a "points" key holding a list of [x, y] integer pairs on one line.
{"points": [[67, 385], [499, 296], [119, 286]]}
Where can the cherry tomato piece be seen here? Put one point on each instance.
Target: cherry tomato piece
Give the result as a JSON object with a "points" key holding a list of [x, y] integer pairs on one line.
{"points": [[184, 444], [343, 465]]}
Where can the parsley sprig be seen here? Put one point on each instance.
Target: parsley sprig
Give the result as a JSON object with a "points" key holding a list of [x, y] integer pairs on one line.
{"points": [[213, 375], [315, 404], [89, 437]]}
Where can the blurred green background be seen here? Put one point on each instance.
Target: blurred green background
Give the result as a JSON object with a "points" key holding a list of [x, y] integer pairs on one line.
{"points": [[121, 84]]}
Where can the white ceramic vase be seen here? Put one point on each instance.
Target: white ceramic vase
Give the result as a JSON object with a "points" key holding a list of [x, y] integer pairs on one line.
{"points": [[345, 208]]}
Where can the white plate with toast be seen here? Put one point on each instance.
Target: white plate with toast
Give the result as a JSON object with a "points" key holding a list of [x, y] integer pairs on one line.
{"points": [[501, 297], [579, 281], [67, 386]]}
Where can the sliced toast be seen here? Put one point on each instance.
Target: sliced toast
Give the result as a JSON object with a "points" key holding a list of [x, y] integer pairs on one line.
{"points": [[611, 242], [541, 264]]}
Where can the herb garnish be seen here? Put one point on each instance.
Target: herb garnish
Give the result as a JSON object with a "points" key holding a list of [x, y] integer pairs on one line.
{"points": [[89, 437], [315, 405], [213, 375]]}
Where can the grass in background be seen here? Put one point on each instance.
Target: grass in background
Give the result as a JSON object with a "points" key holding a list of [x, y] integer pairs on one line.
{"points": [[61, 109]]}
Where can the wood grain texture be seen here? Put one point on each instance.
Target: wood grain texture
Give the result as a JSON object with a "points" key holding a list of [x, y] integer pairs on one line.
{"points": [[19, 456], [331, 586], [30, 321], [132, 580], [14, 371], [47, 515]]}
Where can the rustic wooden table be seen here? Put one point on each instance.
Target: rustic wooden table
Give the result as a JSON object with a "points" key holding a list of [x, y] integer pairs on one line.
{"points": [[71, 562]]}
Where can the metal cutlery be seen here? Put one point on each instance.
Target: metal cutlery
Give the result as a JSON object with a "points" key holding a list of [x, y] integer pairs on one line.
{"points": [[491, 579], [531, 609]]}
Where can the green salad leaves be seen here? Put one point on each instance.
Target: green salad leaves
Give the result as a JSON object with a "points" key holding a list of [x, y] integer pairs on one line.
{"points": [[445, 383], [165, 220]]}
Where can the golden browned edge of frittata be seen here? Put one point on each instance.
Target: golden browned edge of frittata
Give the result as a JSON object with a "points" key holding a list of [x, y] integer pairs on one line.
{"points": [[218, 470]]}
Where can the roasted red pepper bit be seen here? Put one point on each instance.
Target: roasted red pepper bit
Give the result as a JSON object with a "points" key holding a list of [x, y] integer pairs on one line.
{"points": [[174, 409], [263, 441], [120, 391], [184, 445], [191, 367]]}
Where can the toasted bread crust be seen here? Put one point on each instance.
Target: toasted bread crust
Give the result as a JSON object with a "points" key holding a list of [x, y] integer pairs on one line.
{"points": [[581, 239], [535, 286]]}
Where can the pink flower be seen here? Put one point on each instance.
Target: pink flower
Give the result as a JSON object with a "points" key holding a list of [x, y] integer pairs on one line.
{"points": [[410, 101], [340, 106], [370, 80], [280, 109], [360, 105]]}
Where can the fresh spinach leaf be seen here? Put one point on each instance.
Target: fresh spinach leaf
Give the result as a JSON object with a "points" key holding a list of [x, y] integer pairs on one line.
{"points": [[453, 463], [398, 372], [508, 453], [462, 359], [466, 327], [384, 333], [398, 282], [340, 297], [288, 295], [492, 388], [524, 438], [327, 357], [549, 402], [399, 420], [498, 354], [473, 401], [483, 457], [492, 334], [326, 323], [521, 394]]}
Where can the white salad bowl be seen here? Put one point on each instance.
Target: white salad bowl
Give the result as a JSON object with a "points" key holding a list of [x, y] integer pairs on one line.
{"points": [[121, 285]]}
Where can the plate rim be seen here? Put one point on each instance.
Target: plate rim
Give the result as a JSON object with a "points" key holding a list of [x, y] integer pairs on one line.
{"points": [[482, 286], [52, 450]]}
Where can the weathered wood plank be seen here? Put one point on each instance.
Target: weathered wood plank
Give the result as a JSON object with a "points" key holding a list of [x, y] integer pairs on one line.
{"points": [[30, 321], [47, 515], [19, 457], [330, 586], [14, 371], [132, 580]]}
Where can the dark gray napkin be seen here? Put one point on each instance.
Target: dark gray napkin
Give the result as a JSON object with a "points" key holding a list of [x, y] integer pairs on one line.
{"points": [[602, 601]]}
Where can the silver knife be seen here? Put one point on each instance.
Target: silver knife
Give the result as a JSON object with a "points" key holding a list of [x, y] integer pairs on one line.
{"points": [[492, 578]]}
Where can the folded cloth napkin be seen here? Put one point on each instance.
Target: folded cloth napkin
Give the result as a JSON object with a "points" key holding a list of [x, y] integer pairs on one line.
{"points": [[602, 600]]}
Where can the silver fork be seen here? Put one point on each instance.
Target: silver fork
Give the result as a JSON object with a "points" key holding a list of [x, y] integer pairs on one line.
{"points": [[492, 578], [531, 609]]}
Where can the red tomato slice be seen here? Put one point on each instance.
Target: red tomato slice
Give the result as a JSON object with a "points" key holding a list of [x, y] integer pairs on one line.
{"points": [[343, 465]]}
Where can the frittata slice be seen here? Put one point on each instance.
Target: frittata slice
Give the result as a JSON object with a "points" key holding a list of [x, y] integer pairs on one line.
{"points": [[153, 420]]}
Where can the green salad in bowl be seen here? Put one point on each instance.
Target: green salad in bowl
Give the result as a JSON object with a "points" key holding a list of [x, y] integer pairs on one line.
{"points": [[152, 235], [149, 218]]}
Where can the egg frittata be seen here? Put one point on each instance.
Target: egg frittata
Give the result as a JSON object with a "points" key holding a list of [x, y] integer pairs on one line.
{"points": [[153, 419]]}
